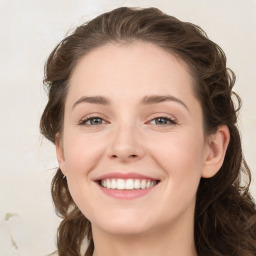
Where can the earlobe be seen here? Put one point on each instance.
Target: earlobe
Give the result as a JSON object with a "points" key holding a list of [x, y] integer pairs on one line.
{"points": [[216, 151], [60, 153]]}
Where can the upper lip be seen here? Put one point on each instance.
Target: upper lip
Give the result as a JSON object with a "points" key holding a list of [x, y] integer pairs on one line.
{"points": [[119, 175]]}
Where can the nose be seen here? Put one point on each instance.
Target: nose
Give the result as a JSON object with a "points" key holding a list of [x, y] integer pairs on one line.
{"points": [[126, 144]]}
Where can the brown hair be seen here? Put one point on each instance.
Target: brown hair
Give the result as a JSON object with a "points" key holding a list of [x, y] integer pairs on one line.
{"points": [[225, 215]]}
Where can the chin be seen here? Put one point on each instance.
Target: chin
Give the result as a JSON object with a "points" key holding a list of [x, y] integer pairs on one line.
{"points": [[123, 225], [125, 229]]}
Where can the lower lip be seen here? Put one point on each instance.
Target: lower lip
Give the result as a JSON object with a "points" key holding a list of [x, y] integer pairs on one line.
{"points": [[126, 194]]}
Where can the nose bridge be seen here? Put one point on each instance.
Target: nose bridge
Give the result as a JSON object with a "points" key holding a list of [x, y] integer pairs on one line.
{"points": [[126, 141]]}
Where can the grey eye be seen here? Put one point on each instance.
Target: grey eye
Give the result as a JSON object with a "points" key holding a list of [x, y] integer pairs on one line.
{"points": [[95, 121], [163, 121], [92, 121]]}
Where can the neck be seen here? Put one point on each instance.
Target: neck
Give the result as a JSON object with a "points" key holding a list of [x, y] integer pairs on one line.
{"points": [[164, 241]]}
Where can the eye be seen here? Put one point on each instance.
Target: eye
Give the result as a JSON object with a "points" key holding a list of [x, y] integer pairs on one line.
{"points": [[163, 120], [92, 121]]}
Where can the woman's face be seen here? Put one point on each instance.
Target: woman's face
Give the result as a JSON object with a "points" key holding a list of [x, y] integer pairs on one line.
{"points": [[132, 121]]}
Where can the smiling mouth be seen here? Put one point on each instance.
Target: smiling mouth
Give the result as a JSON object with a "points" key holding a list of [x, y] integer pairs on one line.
{"points": [[127, 184]]}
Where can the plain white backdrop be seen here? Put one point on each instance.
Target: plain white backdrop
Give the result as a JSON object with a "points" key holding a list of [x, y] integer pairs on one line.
{"points": [[30, 29]]}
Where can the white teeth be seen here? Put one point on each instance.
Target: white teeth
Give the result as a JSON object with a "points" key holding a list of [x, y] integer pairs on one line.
{"points": [[113, 184], [128, 184], [120, 184], [143, 184], [137, 184], [108, 184]]}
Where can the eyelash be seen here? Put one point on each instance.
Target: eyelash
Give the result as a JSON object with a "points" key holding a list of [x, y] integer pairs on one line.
{"points": [[83, 122], [166, 118], [171, 121]]}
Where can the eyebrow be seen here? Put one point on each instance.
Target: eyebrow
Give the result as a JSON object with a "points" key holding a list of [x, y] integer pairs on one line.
{"points": [[93, 100], [147, 100], [154, 99]]}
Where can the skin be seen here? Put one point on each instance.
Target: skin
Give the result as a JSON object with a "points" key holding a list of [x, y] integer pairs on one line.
{"points": [[130, 138]]}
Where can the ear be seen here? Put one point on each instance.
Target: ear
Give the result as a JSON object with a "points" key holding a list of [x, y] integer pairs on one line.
{"points": [[215, 152], [60, 153]]}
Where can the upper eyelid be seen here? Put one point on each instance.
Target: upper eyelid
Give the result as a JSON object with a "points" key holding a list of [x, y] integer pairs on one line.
{"points": [[172, 120], [87, 118], [96, 115], [162, 115]]}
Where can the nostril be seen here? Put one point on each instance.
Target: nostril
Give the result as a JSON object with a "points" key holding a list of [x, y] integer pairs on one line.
{"points": [[123, 156]]}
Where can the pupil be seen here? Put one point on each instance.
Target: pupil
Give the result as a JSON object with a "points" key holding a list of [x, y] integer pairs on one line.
{"points": [[96, 121], [161, 120]]}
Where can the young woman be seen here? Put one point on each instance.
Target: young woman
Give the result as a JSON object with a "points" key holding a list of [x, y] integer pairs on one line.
{"points": [[141, 112]]}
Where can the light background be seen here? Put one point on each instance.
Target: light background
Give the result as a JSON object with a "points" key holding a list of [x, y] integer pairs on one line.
{"points": [[29, 31]]}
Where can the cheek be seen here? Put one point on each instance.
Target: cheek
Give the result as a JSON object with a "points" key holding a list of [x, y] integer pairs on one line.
{"points": [[81, 153], [179, 149], [181, 158]]}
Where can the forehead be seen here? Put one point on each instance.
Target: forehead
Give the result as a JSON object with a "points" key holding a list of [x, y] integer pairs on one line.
{"points": [[129, 71]]}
